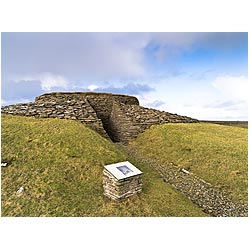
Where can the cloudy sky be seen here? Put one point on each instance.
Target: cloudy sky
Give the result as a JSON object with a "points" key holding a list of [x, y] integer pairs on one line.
{"points": [[202, 75]]}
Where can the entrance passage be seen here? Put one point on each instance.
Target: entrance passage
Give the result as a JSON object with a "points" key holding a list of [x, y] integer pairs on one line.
{"points": [[115, 122], [109, 128]]}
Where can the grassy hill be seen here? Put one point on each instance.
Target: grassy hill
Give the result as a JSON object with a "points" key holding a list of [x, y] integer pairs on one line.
{"points": [[216, 153], [59, 163]]}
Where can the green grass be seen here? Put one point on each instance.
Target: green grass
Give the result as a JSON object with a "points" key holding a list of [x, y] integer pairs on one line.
{"points": [[216, 153], [59, 163]]}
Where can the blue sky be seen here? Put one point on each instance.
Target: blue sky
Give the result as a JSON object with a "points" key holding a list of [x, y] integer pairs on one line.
{"points": [[202, 75]]}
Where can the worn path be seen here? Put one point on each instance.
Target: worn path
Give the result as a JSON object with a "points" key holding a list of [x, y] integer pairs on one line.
{"points": [[211, 200]]}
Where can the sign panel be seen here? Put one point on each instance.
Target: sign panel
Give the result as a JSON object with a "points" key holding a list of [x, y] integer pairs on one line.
{"points": [[123, 170]]}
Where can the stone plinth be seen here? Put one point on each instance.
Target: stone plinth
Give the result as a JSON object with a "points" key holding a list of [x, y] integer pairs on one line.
{"points": [[121, 180]]}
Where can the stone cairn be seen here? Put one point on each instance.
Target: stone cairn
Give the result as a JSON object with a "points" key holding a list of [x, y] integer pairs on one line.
{"points": [[119, 186], [116, 117]]}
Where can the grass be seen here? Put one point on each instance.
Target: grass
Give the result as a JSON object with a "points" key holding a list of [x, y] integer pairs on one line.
{"points": [[216, 153], [59, 163]]}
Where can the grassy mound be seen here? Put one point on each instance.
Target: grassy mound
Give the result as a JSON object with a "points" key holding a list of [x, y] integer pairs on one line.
{"points": [[59, 163], [215, 153]]}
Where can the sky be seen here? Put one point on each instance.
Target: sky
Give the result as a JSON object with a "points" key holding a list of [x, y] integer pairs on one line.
{"points": [[201, 75]]}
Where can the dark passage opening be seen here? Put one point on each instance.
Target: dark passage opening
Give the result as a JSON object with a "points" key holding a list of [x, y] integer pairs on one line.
{"points": [[107, 125], [103, 110], [113, 120]]}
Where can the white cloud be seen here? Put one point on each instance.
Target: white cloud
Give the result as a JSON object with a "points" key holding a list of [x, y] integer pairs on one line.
{"points": [[235, 88], [228, 102], [48, 80], [92, 54], [224, 98], [150, 102], [92, 87], [114, 56], [103, 56], [236, 112]]}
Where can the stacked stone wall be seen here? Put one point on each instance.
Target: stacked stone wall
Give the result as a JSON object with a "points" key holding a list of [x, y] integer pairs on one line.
{"points": [[143, 118], [118, 117], [60, 106], [121, 125]]}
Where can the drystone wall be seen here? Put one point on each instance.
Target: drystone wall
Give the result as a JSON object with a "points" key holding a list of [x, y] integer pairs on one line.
{"points": [[118, 117], [121, 189], [143, 118]]}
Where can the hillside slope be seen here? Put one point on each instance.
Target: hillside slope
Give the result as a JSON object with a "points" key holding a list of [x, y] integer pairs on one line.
{"points": [[215, 153], [59, 164]]}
